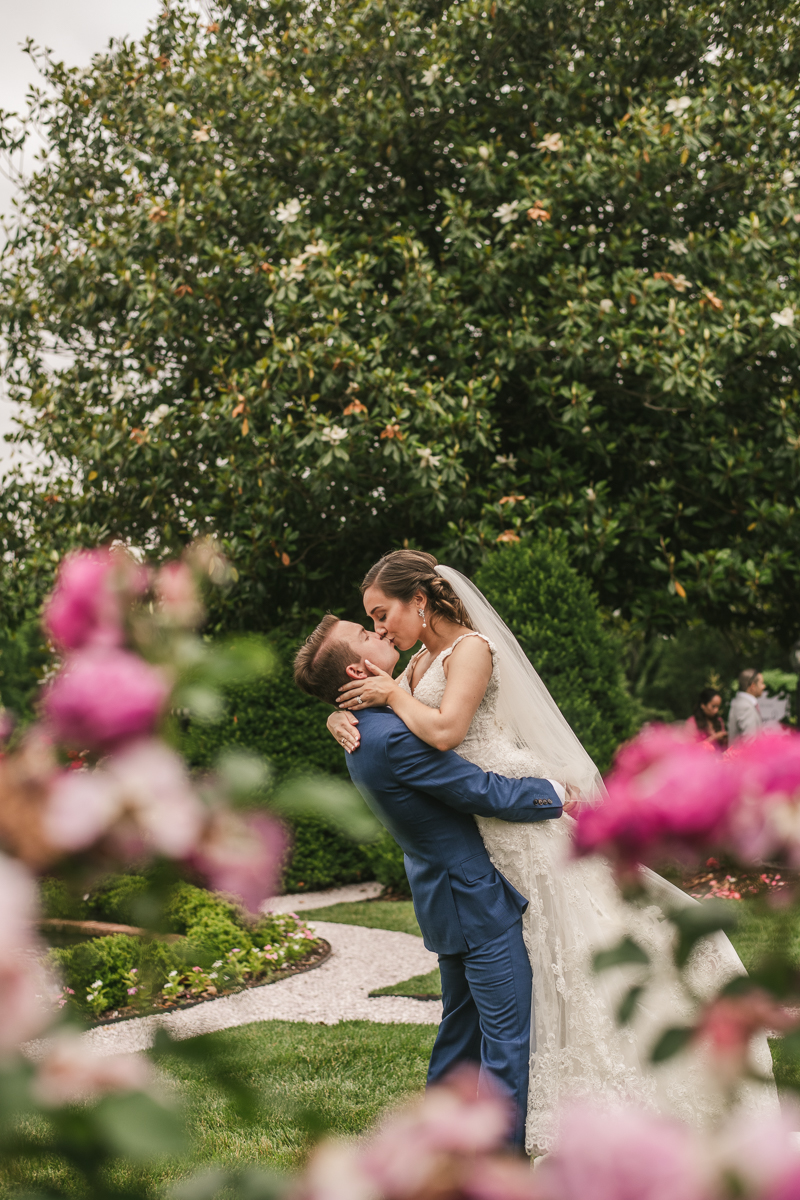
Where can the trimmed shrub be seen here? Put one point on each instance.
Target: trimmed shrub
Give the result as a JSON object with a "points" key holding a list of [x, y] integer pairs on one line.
{"points": [[386, 864], [554, 615], [212, 927]]}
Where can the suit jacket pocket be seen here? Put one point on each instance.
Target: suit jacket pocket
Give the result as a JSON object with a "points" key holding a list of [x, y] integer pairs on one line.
{"points": [[476, 867]]}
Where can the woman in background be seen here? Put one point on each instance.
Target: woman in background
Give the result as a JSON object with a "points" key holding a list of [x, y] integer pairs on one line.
{"points": [[705, 722]]}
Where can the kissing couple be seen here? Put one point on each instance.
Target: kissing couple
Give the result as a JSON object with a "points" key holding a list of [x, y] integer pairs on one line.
{"points": [[468, 762]]}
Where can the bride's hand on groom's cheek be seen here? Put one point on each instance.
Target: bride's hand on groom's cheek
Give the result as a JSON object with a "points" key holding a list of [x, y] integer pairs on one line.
{"points": [[372, 692]]}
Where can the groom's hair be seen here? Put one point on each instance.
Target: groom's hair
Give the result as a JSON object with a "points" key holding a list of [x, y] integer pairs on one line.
{"points": [[320, 667]]}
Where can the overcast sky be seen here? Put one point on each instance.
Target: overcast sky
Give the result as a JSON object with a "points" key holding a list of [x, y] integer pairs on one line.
{"points": [[74, 30]]}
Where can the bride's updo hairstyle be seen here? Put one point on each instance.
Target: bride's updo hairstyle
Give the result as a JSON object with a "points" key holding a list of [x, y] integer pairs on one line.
{"points": [[404, 573]]}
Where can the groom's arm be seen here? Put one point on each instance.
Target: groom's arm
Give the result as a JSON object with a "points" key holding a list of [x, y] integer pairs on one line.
{"points": [[460, 784]]}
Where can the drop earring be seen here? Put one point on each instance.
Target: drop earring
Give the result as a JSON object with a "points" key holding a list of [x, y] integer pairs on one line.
{"points": [[421, 613]]}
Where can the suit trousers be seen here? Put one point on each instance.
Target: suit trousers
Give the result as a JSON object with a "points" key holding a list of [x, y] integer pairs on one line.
{"points": [[487, 1000]]}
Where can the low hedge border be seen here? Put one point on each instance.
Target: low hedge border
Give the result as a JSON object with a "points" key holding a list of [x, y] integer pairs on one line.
{"points": [[219, 948]]}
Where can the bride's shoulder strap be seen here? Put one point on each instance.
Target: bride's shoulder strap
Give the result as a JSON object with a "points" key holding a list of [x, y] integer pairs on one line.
{"points": [[470, 633]]}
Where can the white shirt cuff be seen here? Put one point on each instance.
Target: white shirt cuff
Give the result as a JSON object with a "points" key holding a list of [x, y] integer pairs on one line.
{"points": [[559, 790]]}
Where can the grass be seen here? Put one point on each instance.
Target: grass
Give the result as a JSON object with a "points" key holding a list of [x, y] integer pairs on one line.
{"points": [[311, 1079], [419, 986], [375, 914]]}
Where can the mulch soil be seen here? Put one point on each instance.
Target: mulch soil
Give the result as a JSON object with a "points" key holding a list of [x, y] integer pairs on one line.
{"points": [[722, 882]]}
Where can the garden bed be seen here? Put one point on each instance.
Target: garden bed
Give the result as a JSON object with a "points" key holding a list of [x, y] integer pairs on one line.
{"points": [[316, 956]]}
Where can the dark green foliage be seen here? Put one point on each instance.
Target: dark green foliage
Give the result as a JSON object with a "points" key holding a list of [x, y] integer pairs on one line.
{"points": [[23, 658], [554, 614], [107, 958], [386, 864], [287, 727]]}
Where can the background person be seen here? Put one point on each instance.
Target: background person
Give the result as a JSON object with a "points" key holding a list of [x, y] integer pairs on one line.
{"points": [[706, 722], [744, 719]]}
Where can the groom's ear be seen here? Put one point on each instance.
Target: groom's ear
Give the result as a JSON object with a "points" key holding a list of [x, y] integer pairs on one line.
{"points": [[356, 671]]}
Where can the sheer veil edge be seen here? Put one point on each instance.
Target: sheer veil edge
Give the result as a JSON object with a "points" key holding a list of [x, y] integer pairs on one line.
{"points": [[525, 708]]}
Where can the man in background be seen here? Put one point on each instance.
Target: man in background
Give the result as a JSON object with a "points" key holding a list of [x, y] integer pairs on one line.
{"points": [[744, 719]]}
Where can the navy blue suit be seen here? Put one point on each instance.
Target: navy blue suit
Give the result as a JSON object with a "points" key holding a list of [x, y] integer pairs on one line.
{"points": [[469, 914]]}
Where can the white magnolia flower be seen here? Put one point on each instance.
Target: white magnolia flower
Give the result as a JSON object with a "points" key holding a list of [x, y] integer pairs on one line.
{"points": [[506, 460], [200, 135], [679, 106], [681, 283], [334, 434], [677, 246], [606, 305], [552, 142], [158, 414], [294, 269], [506, 213], [788, 179], [289, 212], [483, 151], [170, 110], [591, 495], [427, 458], [784, 317], [319, 247], [432, 74], [118, 391]]}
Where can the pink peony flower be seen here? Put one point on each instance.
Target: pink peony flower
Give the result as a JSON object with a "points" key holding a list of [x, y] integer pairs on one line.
{"points": [[767, 818], [667, 793], [141, 796], [728, 1023], [623, 1154], [104, 697], [243, 856], [176, 590], [69, 1073], [760, 1153], [86, 607]]}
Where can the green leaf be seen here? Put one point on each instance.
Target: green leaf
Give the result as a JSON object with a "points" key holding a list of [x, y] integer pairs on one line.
{"points": [[671, 1042], [337, 803], [135, 1126], [698, 921], [626, 951], [628, 1004]]}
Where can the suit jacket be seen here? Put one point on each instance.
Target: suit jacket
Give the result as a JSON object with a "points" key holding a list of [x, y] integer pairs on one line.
{"points": [[426, 798], [744, 719]]}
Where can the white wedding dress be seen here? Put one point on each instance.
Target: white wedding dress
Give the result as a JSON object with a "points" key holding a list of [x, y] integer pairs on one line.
{"points": [[575, 909]]}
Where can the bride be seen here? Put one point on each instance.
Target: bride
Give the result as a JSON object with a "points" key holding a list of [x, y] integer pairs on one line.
{"points": [[471, 688]]}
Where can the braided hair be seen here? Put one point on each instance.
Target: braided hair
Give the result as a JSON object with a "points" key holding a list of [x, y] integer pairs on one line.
{"points": [[403, 573]]}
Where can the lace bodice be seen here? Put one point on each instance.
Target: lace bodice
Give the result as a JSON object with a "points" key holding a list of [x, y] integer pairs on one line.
{"points": [[486, 743]]}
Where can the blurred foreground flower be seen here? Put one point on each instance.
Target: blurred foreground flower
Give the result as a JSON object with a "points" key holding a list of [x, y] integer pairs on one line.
{"points": [[728, 1023], [103, 697], [242, 855], [669, 795], [69, 1073], [22, 1013], [93, 590], [448, 1144]]}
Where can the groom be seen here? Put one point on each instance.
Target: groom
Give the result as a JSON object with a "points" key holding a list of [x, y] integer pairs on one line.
{"points": [[469, 914]]}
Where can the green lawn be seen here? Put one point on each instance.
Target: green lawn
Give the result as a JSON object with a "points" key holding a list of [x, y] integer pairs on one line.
{"points": [[375, 914], [309, 1078]]}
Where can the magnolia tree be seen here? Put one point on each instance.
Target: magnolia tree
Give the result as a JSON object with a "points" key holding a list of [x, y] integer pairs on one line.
{"points": [[325, 279]]}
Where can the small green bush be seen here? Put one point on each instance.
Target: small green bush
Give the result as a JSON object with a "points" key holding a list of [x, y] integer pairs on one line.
{"points": [[553, 613], [211, 927], [386, 864]]}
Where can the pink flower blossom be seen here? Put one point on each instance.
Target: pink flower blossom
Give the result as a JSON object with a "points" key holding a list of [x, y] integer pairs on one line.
{"points": [[728, 1023], [86, 607], [666, 794], [760, 1153], [177, 592], [104, 697], [243, 856], [767, 818], [623, 1154], [142, 797], [69, 1073]]}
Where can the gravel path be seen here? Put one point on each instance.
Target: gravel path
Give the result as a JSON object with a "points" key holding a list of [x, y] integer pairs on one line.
{"points": [[299, 901], [362, 959]]}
